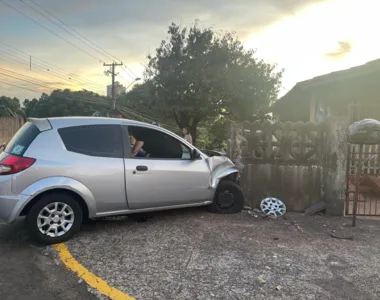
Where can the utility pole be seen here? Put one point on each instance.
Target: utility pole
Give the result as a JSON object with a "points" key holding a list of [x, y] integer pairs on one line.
{"points": [[112, 72]]}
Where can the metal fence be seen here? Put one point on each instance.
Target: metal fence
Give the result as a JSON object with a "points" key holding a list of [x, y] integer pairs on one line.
{"points": [[363, 180]]}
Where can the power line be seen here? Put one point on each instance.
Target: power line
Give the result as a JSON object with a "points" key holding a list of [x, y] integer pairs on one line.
{"points": [[122, 108], [21, 87], [29, 80], [87, 100], [54, 73], [46, 17], [51, 31], [9, 56], [92, 44], [126, 69], [42, 62], [36, 81], [75, 31]]}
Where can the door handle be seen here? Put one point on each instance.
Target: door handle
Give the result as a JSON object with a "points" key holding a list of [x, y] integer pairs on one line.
{"points": [[142, 168]]}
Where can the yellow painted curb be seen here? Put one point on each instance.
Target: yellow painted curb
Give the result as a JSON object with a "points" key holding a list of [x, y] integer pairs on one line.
{"points": [[91, 279]]}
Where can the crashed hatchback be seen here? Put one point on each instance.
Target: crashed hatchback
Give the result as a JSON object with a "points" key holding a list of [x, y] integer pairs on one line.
{"points": [[59, 172]]}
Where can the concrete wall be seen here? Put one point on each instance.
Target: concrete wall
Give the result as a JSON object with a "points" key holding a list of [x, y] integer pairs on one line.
{"points": [[299, 163], [297, 186], [8, 127], [334, 165]]}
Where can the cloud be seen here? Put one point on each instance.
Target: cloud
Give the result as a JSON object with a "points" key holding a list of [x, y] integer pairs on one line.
{"points": [[344, 48], [128, 30]]}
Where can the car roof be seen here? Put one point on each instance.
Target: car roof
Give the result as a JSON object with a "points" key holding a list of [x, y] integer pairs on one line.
{"points": [[61, 122]]}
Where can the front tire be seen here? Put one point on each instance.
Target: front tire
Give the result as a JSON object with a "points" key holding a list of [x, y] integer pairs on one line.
{"points": [[228, 199], [54, 218]]}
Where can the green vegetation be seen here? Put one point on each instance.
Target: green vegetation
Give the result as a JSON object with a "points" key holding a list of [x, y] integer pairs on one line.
{"points": [[198, 78]]}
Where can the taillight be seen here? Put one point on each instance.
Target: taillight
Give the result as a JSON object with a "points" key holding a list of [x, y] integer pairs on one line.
{"points": [[13, 164]]}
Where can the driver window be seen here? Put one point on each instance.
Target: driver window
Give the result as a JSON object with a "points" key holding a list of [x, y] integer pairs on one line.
{"points": [[157, 144]]}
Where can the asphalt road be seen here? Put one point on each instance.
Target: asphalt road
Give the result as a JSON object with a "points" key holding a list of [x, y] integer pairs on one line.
{"points": [[32, 273], [192, 254]]}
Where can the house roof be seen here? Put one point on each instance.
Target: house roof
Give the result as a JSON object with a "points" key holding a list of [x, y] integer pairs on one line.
{"points": [[301, 89]]}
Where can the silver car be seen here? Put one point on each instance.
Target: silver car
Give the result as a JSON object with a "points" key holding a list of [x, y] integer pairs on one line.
{"points": [[60, 171]]}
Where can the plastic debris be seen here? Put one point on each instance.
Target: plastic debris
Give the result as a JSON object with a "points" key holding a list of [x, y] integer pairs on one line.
{"points": [[261, 280], [343, 235], [257, 213], [317, 207]]}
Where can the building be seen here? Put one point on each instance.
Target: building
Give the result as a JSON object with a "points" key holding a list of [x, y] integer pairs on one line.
{"points": [[119, 89], [353, 93]]}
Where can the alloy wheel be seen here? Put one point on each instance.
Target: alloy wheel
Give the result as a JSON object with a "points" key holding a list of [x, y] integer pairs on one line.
{"points": [[55, 219]]}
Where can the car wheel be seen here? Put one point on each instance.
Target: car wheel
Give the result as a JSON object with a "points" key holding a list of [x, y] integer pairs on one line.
{"points": [[228, 198], [54, 218]]}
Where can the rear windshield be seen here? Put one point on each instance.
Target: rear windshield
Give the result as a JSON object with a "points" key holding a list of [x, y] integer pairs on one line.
{"points": [[22, 139]]}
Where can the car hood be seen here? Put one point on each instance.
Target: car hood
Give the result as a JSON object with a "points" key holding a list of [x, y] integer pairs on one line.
{"points": [[220, 166], [219, 162]]}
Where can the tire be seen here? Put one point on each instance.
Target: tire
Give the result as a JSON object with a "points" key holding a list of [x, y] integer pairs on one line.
{"points": [[69, 213], [223, 204]]}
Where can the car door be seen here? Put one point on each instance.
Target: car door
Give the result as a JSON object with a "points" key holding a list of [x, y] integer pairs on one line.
{"points": [[96, 154], [159, 182]]}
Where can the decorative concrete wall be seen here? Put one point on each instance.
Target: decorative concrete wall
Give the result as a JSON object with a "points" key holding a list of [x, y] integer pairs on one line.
{"points": [[299, 163]]}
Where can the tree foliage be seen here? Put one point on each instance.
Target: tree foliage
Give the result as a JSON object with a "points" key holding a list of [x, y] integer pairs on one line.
{"points": [[9, 107], [197, 74], [212, 133], [141, 101], [66, 103]]}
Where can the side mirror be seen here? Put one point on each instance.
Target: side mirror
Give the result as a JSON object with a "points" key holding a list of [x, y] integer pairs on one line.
{"points": [[195, 154]]}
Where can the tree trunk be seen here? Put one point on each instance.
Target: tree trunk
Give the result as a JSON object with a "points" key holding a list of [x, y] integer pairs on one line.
{"points": [[193, 132], [183, 120]]}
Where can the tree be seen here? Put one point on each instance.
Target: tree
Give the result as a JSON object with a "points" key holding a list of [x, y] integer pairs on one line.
{"points": [[9, 106], [141, 102], [62, 103], [198, 74]]}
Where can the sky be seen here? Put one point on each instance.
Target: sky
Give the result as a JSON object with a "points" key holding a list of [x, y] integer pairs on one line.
{"points": [[305, 37]]}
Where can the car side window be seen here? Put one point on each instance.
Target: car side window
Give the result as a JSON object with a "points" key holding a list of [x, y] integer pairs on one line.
{"points": [[158, 145], [93, 140]]}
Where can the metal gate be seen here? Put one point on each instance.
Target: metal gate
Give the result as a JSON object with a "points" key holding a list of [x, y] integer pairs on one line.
{"points": [[363, 180]]}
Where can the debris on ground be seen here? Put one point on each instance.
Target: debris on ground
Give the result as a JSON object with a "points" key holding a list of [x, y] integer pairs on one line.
{"points": [[279, 288], [341, 234], [315, 208], [257, 213], [261, 280], [295, 224]]}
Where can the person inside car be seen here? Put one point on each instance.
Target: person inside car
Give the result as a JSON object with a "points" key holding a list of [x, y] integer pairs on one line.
{"points": [[137, 150], [140, 152], [155, 144]]}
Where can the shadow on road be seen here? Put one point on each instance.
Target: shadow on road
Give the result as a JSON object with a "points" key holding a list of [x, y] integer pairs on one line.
{"points": [[29, 272]]}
